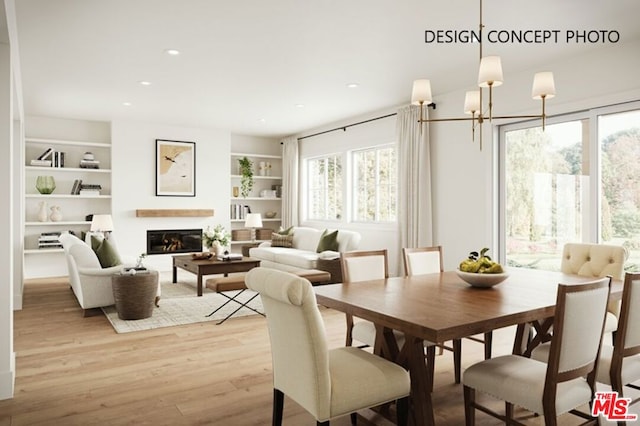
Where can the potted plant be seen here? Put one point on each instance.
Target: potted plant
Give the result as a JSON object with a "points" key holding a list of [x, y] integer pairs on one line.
{"points": [[216, 240], [246, 179]]}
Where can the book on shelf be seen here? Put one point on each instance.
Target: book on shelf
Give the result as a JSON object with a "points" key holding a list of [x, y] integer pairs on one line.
{"points": [[45, 154], [41, 163], [50, 246], [58, 233], [58, 159], [48, 238], [75, 189], [90, 186], [89, 164], [92, 192]]}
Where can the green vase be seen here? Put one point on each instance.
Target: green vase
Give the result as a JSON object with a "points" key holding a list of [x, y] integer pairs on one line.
{"points": [[45, 184]]}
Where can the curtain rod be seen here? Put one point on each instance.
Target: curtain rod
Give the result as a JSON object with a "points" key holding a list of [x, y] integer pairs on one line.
{"points": [[344, 128]]}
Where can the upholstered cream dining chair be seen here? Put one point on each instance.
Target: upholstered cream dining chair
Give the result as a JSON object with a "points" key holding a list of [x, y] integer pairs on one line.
{"points": [[598, 261], [563, 384], [326, 383], [428, 260]]}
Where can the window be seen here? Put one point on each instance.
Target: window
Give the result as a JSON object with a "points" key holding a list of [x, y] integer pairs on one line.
{"points": [[575, 182], [324, 188], [375, 184]]}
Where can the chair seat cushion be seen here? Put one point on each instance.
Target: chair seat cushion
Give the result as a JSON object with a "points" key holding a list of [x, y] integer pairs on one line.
{"points": [[630, 367], [520, 380], [361, 379], [610, 323]]}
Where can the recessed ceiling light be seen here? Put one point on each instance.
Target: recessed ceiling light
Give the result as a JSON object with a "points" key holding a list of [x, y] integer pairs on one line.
{"points": [[145, 83], [352, 85], [172, 52], [262, 120], [126, 103], [299, 105]]}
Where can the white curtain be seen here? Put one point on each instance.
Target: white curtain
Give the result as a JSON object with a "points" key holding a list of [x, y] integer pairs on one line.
{"points": [[414, 178], [289, 181]]}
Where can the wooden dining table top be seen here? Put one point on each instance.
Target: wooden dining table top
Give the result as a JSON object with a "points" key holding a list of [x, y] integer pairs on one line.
{"points": [[440, 307]]}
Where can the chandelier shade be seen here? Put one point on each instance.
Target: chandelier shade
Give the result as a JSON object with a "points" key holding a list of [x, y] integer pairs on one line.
{"points": [[543, 85], [421, 93], [490, 73]]}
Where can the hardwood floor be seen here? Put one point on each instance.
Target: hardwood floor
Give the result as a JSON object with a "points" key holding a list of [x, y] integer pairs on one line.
{"points": [[77, 371]]}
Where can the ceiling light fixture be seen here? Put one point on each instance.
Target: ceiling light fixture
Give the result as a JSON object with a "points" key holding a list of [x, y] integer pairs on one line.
{"points": [[172, 52], [145, 83], [126, 103], [489, 76], [299, 105], [352, 85]]}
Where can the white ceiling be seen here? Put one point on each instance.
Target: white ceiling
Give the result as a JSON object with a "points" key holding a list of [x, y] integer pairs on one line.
{"points": [[246, 64]]}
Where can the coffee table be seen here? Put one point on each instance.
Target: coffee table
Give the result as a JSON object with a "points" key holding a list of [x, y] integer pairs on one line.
{"points": [[210, 266]]}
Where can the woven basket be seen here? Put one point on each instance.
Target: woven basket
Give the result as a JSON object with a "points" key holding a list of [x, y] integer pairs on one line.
{"points": [[241, 234], [134, 295], [264, 233]]}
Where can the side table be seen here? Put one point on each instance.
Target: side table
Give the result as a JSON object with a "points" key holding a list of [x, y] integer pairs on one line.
{"points": [[331, 266], [247, 247], [135, 295]]}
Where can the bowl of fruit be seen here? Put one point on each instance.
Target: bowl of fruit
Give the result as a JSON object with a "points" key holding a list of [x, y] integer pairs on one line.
{"points": [[478, 270]]}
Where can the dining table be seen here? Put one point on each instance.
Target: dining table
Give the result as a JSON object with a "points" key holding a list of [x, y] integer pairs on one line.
{"points": [[440, 307]]}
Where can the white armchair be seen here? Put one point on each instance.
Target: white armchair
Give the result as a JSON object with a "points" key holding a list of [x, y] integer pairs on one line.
{"points": [[89, 281]]}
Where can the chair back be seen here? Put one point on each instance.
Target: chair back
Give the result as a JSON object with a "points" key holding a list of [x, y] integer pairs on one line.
{"points": [[364, 265], [577, 332], [422, 260], [593, 260], [627, 339], [298, 343]]}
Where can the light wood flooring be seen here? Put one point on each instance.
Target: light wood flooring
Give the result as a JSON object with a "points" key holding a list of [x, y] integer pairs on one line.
{"points": [[77, 371]]}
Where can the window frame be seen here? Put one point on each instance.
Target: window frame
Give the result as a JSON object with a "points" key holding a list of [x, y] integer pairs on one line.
{"points": [[307, 189]]}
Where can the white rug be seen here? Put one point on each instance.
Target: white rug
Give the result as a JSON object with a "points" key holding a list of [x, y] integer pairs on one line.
{"points": [[180, 305]]}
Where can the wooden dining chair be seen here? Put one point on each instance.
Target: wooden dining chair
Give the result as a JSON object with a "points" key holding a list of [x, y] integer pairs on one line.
{"points": [[326, 383], [357, 266], [429, 260], [598, 261], [563, 384]]}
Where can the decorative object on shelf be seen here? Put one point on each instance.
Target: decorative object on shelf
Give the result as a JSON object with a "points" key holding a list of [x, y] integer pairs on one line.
{"points": [[236, 191], [246, 179], [56, 214], [139, 264], [175, 168], [270, 214], [216, 240], [42, 212], [267, 193], [253, 221], [489, 76], [89, 161], [278, 189], [102, 223], [262, 168], [45, 184], [268, 169]]}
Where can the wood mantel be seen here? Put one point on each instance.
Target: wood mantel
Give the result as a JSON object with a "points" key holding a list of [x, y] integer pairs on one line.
{"points": [[174, 212]]}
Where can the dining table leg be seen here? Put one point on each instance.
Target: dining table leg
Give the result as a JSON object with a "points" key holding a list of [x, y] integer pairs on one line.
{"points": [[412, 357]]}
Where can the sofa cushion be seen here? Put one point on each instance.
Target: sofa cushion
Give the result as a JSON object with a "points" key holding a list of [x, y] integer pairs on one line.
{"points": [[306, 238], [280, 240], [328, 241], [288, 231], [106, 252], [298, 258]]}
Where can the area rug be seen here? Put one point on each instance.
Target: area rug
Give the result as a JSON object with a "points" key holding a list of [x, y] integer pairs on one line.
{"points": [[180, 305]]}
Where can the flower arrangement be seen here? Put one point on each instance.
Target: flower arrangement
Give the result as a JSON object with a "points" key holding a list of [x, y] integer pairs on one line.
{"points": [[219, 234]]}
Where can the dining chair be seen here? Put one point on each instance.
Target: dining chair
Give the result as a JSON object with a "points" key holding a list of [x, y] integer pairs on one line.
{"points": [[429, 260], [598, 261], [326, 383], [357, 266], [563, 384], [620, 364]]}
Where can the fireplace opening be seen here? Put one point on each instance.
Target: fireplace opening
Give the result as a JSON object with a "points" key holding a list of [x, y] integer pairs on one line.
{"points": [[164, 241]]}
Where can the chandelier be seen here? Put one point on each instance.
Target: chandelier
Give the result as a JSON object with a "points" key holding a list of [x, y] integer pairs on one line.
{"points": [[489, 76]]}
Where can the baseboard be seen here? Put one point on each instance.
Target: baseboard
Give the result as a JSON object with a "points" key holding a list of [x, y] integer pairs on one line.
{"points": [[8, 379], [17, 301]]}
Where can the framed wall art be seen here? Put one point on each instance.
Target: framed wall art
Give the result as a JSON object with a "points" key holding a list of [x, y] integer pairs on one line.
{"points": [[175, 168]]}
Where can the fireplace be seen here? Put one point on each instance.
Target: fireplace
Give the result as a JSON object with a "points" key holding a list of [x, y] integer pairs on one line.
{"points": [[164, 241]]}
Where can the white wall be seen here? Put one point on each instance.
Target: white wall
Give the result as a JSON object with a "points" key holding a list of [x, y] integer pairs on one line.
{"points": [[133, 182]]}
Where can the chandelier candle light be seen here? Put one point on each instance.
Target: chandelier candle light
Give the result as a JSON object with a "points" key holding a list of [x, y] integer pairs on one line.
{"points": [[489, 76]]}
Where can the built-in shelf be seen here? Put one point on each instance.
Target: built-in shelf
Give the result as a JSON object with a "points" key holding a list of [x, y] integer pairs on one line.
{"points": [[82, 144], [272, 219], [174, 212], [61, 223], [67, 169], [43, 251], [255, 199], [54, 195], [254, 177], [242, 154]]}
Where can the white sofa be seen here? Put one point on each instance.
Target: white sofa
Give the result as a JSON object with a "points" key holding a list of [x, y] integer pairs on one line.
{"points": [[303, 255], [90, 283]]}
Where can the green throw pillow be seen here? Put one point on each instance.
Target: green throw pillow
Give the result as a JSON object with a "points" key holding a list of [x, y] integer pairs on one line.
{"points": [[328, 241], [279, 240], [288, 231], [106, 252]]}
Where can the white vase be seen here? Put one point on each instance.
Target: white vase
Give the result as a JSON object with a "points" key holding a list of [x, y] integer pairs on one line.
{"points": [[42, 212], [56, 214], [217, 249]]}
